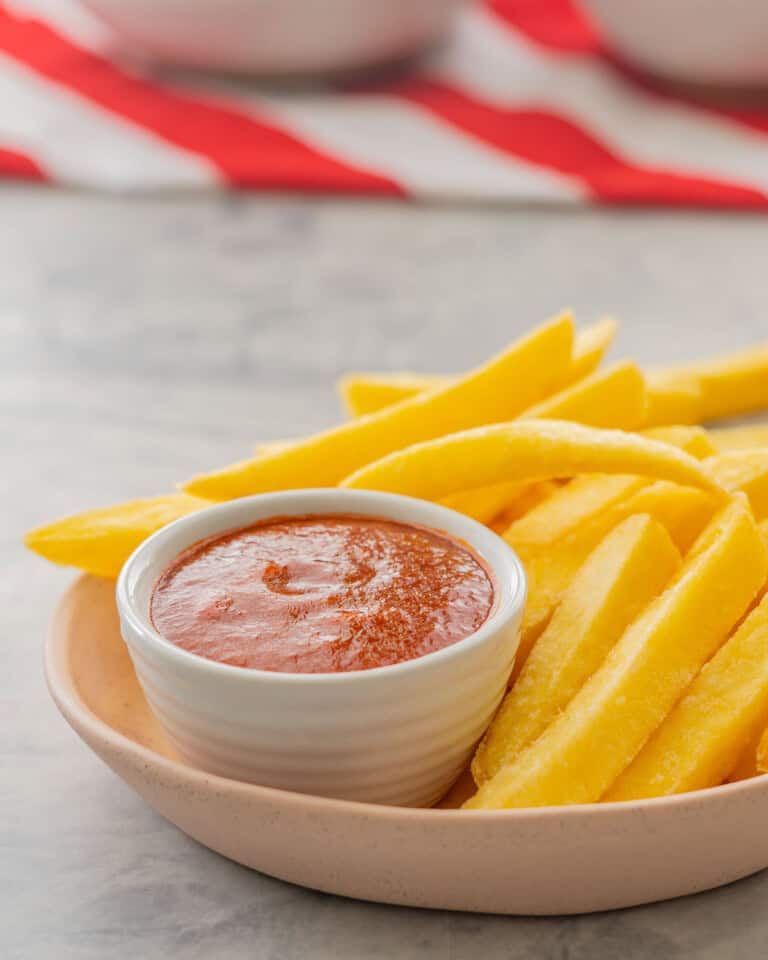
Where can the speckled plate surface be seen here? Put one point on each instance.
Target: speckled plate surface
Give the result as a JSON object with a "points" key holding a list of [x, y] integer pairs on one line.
{"points": [[541, 861]]}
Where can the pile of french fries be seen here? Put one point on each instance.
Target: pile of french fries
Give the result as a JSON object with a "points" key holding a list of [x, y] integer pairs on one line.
{"points": [[643, 662]]}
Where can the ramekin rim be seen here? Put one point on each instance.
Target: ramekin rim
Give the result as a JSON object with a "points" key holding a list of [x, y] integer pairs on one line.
{"points": [[505, 611]]}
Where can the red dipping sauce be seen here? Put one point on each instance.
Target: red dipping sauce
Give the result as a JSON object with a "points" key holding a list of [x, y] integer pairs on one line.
{"points": [[322, 594]]}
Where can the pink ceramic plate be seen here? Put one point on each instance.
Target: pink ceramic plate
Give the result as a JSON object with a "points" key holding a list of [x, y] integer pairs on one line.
{"points": [[541, 861]]}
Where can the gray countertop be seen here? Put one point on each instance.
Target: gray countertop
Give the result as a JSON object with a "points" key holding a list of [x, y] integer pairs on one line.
{"points": [[142, 340]]}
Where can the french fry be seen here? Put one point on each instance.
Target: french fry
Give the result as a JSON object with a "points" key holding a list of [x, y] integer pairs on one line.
{"points": [[584, 497], [731, 385], [532, 496], [627, 569], [551, 567], [590, 346], [692, 439], [100, 541], [762, 753], [676, 402], [522, 450], [364, 393], [588, 497], [549, 571], [683, 511], [508, 384], [570, 509], [608, 398], [763, 530], [554, 539], [745, 470], [746, 765], [604, 726], [593, 497], [718, 716], [726, 439], [484, 503], [754, 758], [563, 511]]}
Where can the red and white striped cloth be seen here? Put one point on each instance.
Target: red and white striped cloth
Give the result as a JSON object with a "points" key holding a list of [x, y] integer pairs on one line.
{"points": [[524, 104]]}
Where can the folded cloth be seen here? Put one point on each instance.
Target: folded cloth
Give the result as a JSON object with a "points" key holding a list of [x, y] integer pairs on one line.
{"points": [[524, 103]]}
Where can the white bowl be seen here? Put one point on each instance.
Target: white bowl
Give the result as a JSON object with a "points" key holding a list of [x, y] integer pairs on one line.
{"points": [[398, 734], [702, 42], [276, 36]]}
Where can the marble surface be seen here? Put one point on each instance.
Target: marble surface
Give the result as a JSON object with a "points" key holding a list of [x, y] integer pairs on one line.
{"points": [[142, 340]]}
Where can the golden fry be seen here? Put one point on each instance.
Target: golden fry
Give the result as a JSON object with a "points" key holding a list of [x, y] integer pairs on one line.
{"points": [[731, 385], [609, 398], [608, 500], [623, 573], [549, 572], [762, 754], [532, 495], [704, 735], [676, 402], [692, 439], [602, 498], [508, 384], [569, 509], [552, 565], [745, 470], [484, 503], [524, 450], [364, 393], [682, 510], [590, 346], [746, 765], [100, 541], [604, 726], [554, 538]]}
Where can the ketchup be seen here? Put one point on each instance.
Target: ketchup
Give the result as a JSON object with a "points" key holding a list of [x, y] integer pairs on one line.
{"points": [[322, 593]]}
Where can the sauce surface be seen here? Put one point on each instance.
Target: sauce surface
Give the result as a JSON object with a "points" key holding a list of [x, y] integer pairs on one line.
{"points": [[322, 594]]}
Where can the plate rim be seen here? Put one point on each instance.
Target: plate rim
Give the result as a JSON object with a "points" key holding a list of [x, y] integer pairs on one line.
{"points": [[78, 714]]}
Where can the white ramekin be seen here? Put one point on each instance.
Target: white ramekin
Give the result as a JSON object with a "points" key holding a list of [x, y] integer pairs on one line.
{"points": [[708, 43], [275, 36], [398, 734]]}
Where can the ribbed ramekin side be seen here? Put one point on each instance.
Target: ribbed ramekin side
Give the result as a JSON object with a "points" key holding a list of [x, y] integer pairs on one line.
{"points": [[408, 753]]}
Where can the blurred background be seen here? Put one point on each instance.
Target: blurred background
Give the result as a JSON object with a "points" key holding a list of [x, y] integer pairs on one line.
{"points": [[546, 101], [211, 208]]}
